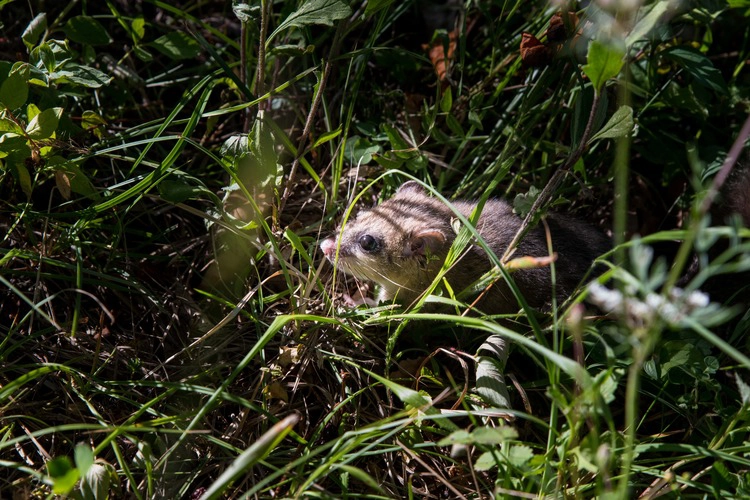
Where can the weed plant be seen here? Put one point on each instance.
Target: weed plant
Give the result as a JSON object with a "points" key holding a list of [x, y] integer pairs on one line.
{"points": [[169, 328]]}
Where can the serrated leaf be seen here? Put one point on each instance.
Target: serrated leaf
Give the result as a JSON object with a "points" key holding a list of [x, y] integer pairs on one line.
{"points": [[177, 45], [699, 66], [323, 12], [604, 61], [34, 30], [43, 125], [493, 435], [460, 436], [619, 125], [15, 89], [485, 462], [86, 30], [520, 455]]}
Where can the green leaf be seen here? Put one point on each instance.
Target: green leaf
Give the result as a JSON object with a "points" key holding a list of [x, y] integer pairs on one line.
{"points": [[359, 151], [84, 457], [252, 455], [374, 6], [64, 476], [619, 125], [177, 45], [313, 12], [699, 66], [326, 137], [15, 89], [138, 27], [485, 462], [43, 125], [8, 125], [363, 477], [244, 12], [82, 75], [86, 30], [34, 30], [446, 102], [178, 191], [604, 62], [646, 23], [21, 173], [96, 482], [490, 383], [13, 142]]}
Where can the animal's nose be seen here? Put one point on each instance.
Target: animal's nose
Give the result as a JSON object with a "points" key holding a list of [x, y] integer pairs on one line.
{"points": [[329, 247]]}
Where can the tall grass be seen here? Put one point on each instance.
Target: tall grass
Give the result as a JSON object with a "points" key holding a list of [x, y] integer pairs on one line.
{"points": [[170, 329]]}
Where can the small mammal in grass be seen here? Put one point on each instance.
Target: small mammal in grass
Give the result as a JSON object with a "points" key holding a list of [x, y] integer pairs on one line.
{"points": [[402, 243]]}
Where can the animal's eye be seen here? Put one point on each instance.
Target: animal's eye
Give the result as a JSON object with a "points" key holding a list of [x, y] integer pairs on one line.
{"points": [[368, 243]]}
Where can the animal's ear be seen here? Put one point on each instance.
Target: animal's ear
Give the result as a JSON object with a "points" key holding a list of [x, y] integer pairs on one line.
{"points": [[421, 243], [411, 187]]}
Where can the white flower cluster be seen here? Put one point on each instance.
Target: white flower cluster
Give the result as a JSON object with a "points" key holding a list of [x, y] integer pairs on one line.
{"points": [[672, 309]]}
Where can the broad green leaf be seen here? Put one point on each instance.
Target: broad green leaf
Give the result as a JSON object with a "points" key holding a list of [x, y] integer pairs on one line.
{"points": [[84, 457], [34, 30], [64, 476], [313, 12], [699, 66], [485, 462], [490, 381], [70, 177], [177, 45], [8, 125], [32, 110], [520, 454], [43, 125], [91, 119], [604, 62], [493, 435], [82, 75], [96, 482], [86, 30], [15, 89], [138, 27], [43, 57], [620, 125], [13, 143], [646, 23], [359, 150], [178, 190]]}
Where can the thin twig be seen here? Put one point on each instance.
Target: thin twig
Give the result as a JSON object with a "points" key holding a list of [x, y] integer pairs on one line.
{"points": [[554, 182]]}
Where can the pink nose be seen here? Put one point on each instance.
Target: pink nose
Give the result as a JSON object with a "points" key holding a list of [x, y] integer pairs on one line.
{"points": [[329, 248]]}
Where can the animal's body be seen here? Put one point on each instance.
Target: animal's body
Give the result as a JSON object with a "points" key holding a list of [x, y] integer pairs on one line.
{"points": [[402, 244]]}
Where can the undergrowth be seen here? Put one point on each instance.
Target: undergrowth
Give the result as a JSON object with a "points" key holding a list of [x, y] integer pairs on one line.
{"points": [[170, 329]]}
